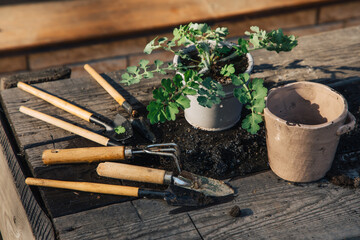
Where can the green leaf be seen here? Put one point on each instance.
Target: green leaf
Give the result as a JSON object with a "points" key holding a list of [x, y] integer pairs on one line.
{"points": [[251, 123], [258, 105], [188, 75], [259, 91], [240, 79], [222, 31], [194, 85], [279, 42], [203, 91], [243, 46], [158, 63], [168, 85], [176, 33], [132, 69], [154, 111], [227, 70], [178, 80], [150, 46], [119, 129], [183, 101], [148, 75], [242, 95], [126, 78], [162, 40], [143, 63], [203, 101], [160, 94], [171, 110], [189, 91]]}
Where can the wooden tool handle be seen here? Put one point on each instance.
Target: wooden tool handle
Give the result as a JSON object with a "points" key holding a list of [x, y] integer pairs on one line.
{"points": [[112, 91], [85, 186], [65, 125], [81, 113], [83, 155], [131, 172]]}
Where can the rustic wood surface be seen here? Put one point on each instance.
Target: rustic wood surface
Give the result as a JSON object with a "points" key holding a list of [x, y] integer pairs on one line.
{"points": [[21, 216], [47, 75], [51, 23], [272, 208]]}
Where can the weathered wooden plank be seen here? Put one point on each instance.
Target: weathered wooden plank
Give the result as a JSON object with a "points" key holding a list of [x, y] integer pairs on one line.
{"points": [[141, 219], [14, 223], [271, 208], [21, 217], [50, 74], [322, 58], [274, 208], [66, 21]]}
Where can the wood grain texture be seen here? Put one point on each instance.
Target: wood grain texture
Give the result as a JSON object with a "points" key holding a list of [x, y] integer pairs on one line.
{"points": [[321, 58], [66, 21], [84, 186], [14, 223], [21, 217], [142, 219], [47, 75], [273, 208], [131, 172], [83, 155]]}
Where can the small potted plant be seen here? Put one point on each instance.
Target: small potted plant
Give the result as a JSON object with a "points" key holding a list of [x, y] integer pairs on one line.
{"points": [[212, 80]]}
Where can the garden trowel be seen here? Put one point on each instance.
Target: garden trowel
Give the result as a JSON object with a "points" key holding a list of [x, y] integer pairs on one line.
{"points": [[138, 122], [207, 186], [173, 195]]}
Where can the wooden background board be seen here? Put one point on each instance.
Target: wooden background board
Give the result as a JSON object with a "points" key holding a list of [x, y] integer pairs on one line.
{"points": [[51, 23], [270, 203]]}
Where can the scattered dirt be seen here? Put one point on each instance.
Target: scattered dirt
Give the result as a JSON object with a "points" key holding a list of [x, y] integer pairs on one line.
{"points": [[224, 154], [235, 211]]}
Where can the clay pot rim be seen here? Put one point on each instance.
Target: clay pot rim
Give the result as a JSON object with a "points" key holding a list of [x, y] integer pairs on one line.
{"points": [[343, 115]]}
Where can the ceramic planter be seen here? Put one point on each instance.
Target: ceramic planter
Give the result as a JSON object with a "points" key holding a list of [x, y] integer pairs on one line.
{"points": [[304, 122], [220, 116]]}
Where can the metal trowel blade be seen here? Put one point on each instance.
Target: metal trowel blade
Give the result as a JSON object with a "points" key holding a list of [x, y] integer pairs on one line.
{"points": [[207, 186]]}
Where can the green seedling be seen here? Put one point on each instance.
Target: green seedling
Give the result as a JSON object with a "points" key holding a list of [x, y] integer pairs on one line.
{"points": [[171, 96]]}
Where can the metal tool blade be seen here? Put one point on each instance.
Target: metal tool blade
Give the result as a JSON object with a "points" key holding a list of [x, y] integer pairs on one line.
{"points": [[123, 122], [205, 185], [179, 196], [140, 124]]}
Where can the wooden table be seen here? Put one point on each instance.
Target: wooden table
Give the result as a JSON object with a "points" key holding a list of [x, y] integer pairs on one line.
{"points": [[271, 207]]}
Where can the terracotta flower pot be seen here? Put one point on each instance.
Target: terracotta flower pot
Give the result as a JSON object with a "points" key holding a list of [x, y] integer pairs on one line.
{"points": [[304, 122], [220, 116]]}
